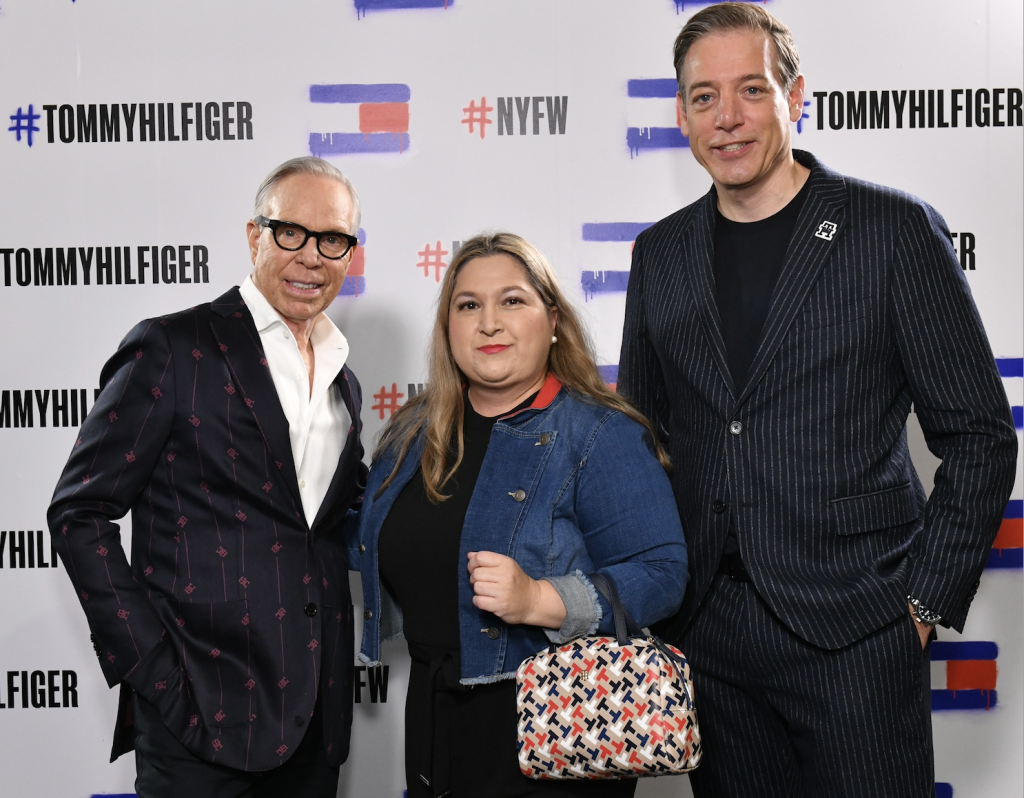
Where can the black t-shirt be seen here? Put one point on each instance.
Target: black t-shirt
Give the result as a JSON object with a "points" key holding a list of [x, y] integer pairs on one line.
{"points": [[748, 261], [418, 548]]}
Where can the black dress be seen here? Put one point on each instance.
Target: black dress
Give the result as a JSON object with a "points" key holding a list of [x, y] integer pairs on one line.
{"points": [[457, 739]]}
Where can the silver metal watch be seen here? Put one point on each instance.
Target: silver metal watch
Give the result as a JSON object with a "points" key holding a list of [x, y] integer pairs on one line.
{"points": [[922, 614]]}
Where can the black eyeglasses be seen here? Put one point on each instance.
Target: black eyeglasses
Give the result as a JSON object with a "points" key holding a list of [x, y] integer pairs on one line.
{"points": [[293, 237]]}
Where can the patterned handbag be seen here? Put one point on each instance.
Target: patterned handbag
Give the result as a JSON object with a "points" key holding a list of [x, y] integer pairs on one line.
{"points": [[601, 708]]}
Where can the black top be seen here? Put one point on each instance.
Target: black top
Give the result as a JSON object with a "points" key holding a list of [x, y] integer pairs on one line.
{"points": [[419, 542], [748, 261], [420, 564]]}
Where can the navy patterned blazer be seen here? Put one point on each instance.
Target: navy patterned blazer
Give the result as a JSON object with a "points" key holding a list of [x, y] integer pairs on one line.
{"points": [[233, 606], [871, 314]]}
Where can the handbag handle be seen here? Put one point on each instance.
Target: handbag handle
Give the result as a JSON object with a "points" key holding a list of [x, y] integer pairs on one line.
{"points": [[625, 626]]}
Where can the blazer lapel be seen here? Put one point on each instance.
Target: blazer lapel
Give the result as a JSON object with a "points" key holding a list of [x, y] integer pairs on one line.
{"points": [[698, 245], [340, 472], [820, 224], [241, 348]]}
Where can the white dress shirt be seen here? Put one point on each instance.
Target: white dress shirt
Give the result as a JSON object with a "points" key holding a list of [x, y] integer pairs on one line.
{"points": [[318, 421]]}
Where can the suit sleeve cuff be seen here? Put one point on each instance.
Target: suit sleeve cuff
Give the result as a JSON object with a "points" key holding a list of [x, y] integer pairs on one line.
{"points": [[157, 674]]}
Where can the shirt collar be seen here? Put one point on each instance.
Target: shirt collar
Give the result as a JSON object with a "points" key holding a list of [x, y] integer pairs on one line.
{"points": [[263, 313]]}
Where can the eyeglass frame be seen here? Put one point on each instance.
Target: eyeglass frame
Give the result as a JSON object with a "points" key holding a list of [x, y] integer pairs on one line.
{"points": [[273, 224]]}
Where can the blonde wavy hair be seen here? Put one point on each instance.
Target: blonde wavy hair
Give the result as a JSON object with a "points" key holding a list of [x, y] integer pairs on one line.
{"points": [[439, 411]]}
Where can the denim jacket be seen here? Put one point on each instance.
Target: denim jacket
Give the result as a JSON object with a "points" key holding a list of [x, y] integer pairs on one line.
{"points": [[567, 487]]}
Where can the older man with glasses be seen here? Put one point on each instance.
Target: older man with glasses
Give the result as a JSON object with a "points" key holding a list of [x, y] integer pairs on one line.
{"points": [[230, 431]]}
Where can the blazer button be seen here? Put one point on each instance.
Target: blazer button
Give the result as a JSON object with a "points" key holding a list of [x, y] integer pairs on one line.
{"points": [[735, 428], [367, 614], [718, 506], [362, 549], [310, 609], [491, 632], [519, 495]]}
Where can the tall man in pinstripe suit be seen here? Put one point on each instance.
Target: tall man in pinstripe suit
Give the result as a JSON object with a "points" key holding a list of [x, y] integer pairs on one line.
{"points": [[777, 330]]}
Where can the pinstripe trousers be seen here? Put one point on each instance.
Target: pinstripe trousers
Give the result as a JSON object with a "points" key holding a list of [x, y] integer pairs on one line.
{"points": [[781, 717]]}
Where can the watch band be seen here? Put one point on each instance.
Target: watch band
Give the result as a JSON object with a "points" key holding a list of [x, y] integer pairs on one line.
{"points": [[922, 614]]}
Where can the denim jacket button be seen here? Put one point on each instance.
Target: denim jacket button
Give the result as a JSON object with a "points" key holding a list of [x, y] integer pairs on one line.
{"points": [[362, 549], [519, 495], [367, 614], [544, 439], [491, 632]]}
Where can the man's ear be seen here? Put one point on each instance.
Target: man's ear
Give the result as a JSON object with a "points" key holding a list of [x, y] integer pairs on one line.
{"points": [[681, 115], [796, 99], [253, 232]]}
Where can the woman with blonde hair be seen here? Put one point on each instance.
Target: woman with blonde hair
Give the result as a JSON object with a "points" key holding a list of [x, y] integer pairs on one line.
{"points": [[493, 494]]}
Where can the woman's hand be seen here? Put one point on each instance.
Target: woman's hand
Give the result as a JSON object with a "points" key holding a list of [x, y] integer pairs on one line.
{"points": [[500, 586]]}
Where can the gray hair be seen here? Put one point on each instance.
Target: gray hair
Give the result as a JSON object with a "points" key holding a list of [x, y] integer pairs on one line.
{"points": [[307, 165], [739, 16]]}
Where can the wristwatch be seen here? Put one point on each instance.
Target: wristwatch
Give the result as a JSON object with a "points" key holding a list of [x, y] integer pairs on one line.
{"points": [[922, 614]]}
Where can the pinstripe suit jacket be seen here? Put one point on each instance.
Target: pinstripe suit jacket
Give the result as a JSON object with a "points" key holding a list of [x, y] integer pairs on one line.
{"points": [[811, 456], [211, 622]]}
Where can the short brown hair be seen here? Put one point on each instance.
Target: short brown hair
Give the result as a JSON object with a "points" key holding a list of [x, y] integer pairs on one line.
{"points": [[739, 16]]}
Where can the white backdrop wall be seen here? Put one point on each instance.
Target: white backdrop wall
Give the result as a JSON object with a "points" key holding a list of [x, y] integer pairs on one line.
{"points": [[575, 152]]}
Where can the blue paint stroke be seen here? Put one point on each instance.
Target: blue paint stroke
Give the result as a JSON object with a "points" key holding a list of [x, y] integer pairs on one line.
{"points": [[359, 93], [1006, 559], [803, 115], [321, 144], [666, 88], [952, 700], [1018, 416], [974, 649], [614, 231], [362, 6], [1010, 366], [654, 138], [943, 790], [610, 282], [1014, 509], [353, 286], [610, 374], [361, 235], [682, 4], [25, 123]]}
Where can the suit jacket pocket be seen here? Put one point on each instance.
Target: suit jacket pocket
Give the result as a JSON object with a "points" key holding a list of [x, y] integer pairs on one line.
{"points": [[217, 662], [158, 678], [880, 509]]}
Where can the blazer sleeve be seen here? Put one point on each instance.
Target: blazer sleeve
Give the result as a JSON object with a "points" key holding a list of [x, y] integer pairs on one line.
{"points": [[350, 527], [627, 514], [960, 402], [109, 468], [640, 377]]}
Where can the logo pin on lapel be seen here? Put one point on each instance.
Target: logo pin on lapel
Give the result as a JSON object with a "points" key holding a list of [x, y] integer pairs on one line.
{"points": [[826, 230]]}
